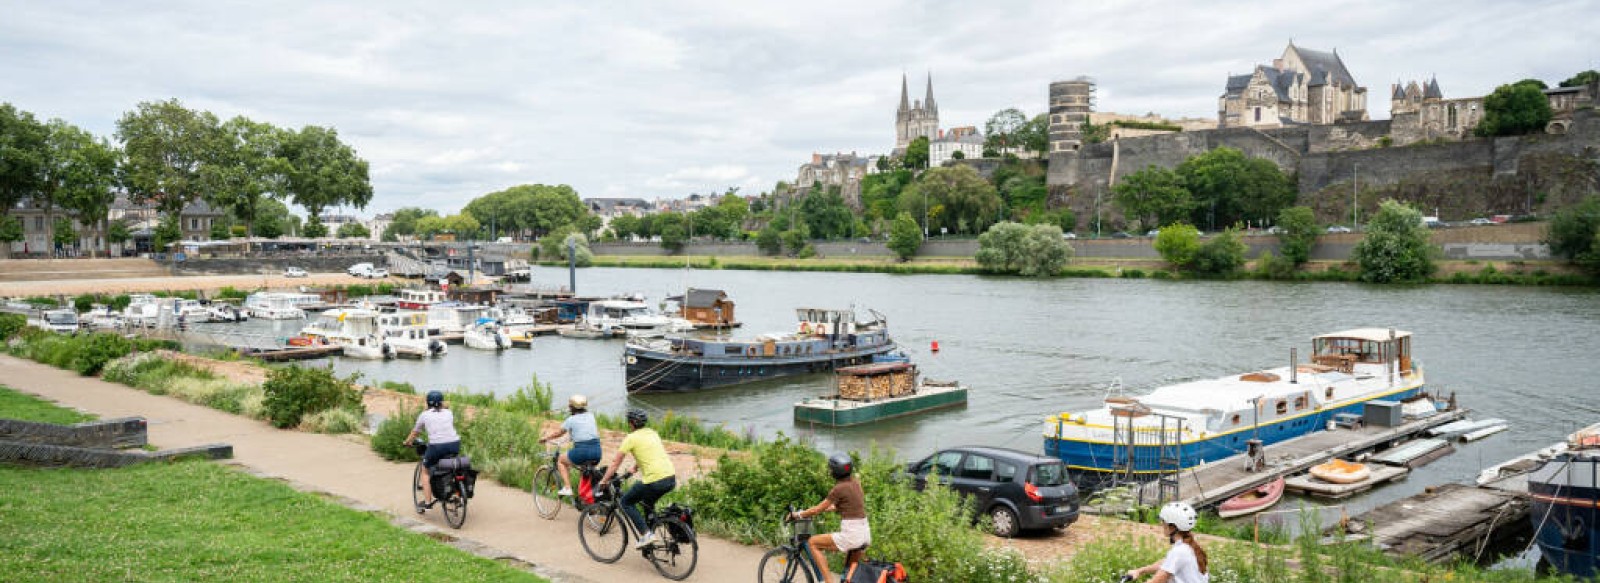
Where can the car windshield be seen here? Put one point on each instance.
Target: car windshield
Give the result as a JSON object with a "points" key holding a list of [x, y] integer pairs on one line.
{"points": [[1048, 475]]}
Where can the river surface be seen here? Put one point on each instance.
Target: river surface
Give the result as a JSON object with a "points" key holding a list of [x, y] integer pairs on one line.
{"points": [[1031, 348]]}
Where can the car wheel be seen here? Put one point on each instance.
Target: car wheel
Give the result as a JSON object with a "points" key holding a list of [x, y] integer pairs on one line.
{"points": [[1004, 520]]}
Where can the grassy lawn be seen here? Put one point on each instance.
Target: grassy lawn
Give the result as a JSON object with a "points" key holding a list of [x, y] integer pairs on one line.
{"points": [[199, 521], [15, 405]]}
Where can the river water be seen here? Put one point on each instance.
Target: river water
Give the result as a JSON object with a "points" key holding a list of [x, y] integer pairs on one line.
{"points": [[1031, 348]]}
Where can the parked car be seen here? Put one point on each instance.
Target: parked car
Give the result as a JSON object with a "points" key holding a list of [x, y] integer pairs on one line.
{"points": [[1069, 235], [1016, 489], [1121, 235], [1274, 230], [1338, 229], [1481, 221], [1153, 233], [378, 273], [359, 269], [295, 272]]}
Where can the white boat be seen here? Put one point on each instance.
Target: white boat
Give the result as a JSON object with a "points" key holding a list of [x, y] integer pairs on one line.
{"points": [[102, 317], [224, 312], [63, 321], [1520, 464], [635, 318], [418, 299], [515, 321], [280, 305], [407, 334], [354, 330], [142, 310], [486, 334], [454, 317]]}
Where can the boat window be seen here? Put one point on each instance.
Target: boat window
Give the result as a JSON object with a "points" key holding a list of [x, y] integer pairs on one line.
{"points": [[977, 467], [1330, 392], [1283, 406], [730, 349], [1235, 418], [1299, 402], [1048, 475]]}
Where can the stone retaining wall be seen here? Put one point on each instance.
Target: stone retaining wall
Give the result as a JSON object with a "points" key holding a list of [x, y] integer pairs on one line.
{"points": [[110, 433]]}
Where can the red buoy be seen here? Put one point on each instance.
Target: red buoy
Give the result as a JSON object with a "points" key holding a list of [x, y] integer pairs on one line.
{"points": [[935, 345]]}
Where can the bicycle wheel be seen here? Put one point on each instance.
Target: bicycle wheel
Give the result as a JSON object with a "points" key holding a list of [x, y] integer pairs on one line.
{"points": [[602, 533], [676, 551], [418, 495], [546, 483], [782, 565], [455, 504]]}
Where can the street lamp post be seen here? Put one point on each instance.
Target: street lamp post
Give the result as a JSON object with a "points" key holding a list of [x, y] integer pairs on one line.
{"points": [[1355, 206]]}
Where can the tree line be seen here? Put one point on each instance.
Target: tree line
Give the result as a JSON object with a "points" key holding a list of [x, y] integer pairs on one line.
{"points": [[170, 156]]}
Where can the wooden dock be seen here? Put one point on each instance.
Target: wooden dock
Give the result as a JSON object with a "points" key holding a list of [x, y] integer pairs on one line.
{"points": [[1445, 522], [297, 353], [1311, 486], [1223, 479], [524, 338]]}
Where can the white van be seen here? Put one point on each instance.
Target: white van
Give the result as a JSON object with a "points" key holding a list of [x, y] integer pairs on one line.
{"points": [[360, 270]]}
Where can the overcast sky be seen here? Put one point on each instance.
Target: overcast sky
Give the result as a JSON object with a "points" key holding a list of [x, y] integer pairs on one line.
{"points": [[449, 101]]}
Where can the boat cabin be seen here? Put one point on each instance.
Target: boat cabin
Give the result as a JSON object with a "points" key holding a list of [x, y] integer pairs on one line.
{"points": [[1376, 346], [825, 322], [709, 307]]}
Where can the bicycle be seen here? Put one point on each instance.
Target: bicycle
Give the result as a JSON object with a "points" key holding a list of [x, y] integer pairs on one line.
{"points": [[548, 482], [792, 562], [604, 531], [456, 490]]}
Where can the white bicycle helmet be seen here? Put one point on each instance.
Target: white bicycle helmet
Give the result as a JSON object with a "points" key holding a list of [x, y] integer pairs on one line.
{"points": [[1179, 515]]}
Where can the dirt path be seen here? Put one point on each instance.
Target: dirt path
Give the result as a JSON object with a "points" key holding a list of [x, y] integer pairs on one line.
{"points": [[500, 517], [206, 283]]}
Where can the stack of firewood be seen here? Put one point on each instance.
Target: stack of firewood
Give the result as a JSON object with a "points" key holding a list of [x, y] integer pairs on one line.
{"points": [[872, 387]]}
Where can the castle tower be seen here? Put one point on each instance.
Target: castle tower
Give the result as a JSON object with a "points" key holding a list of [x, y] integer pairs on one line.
{"points": [[915, 119], [1070, 104]]}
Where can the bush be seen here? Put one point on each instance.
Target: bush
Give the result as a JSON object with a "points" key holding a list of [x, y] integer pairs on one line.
{"points": [[86, 354], [1026, 250], [1178, 244], [1221, 255], [399, 387], [229, 293], [41, 302], [388, 439], [1574, 234], [1299, 227], [84, 303], [807, 252], [294, 392], [905, 237], [10, 325], [340, 420], [98, 349], [1395, 248], [1269, 266], [491, 435]]}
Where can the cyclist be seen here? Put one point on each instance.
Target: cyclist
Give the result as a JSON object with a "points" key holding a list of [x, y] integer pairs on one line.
{"points": [[440, 425], [585, 434], [656, 475], [849, 501], [1185, 561]]}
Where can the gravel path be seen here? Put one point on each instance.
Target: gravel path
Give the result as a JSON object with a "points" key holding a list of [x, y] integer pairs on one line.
{"points": [[207, 283]]}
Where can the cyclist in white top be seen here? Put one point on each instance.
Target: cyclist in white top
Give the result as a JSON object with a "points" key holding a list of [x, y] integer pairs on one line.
{"points": [[440, 425], [1185, 561]]}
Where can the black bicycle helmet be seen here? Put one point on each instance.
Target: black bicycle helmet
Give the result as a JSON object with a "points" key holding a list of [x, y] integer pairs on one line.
{"points": [[435, 399], [840, 465], [637, 418]]}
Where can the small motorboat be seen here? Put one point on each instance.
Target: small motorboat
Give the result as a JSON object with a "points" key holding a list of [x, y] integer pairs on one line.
{"points": [[1339, 471], [1261, 498]]}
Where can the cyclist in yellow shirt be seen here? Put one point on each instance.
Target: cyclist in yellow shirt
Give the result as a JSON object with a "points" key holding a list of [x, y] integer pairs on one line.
{"points": [[656, 475]]}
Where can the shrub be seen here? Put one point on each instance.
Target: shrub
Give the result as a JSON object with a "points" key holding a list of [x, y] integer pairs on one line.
{"points": [[294, 392], [399, 387], [905, 237], [84, 303], [1026, 250], [229, 293], [1574, 234], [42, 302], [340, 420], [1299, 227], [807, 252], [96, 350], [1269, 266], [388, 439], [1178, 244], [501, 442], [1221, 255], [10, 325], [1396, 247]]}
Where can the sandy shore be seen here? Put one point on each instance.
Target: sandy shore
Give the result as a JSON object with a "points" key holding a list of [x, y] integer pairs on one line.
{"points": [[205, 283]]}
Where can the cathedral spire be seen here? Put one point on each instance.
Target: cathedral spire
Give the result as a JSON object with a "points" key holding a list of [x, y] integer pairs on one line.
{"points": [[928, 102], [905, 98]]}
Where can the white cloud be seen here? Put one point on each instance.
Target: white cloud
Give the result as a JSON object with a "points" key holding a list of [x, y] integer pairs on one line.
{"points": [[651, 99]]}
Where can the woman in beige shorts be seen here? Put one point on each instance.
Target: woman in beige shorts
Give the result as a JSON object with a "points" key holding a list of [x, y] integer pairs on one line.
{"points": [[848, 500]]}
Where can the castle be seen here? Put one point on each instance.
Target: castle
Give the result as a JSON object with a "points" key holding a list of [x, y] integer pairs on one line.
{"points": [[1301, 87], [915, 119]]}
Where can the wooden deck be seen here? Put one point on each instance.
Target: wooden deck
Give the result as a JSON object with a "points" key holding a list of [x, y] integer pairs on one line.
{"points": [[1311, 486], [1223, 479], [1444, 522]]}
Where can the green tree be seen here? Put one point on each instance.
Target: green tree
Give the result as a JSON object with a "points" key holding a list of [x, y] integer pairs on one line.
{"points": [[1035, 135], [64, 235], [167, 148], [1515, 109], [1026, 250], [770, 239], [1574, 234], [827, 215], [22, 157], [248, 165], [1155, 196], [1299, 233], [797, 239], [10, 232], [272, 219], [404, 223], [626, 226], [1179, 245], [917, 153], [905, 237], [117, 233], [220, 231], [80, 174], [1535, 83], [353, 231], [969, 203], [1582, 79], [673, 230], [323, 172], [958, 155], [314, 228], [1229, 187], [167, 231], [1395, 247], [1221, 255], [1003, 130]]}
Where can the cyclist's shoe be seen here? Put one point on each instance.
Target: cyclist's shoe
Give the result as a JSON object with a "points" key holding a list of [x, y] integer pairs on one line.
{"points": [[565, 492], [648, 539]]}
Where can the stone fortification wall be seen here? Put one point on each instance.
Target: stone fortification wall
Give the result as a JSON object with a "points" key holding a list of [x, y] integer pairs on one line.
{"points": [[315, 264]]}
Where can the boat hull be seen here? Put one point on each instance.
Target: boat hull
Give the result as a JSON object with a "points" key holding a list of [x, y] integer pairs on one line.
{"points": [[1566, 512], [649, 371], [1091, 460], [1253, 501], [834, 413]]}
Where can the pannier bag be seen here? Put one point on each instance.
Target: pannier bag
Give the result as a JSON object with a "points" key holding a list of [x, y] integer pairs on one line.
{"points": [[454, 463], [866, 571], [586, 483]]}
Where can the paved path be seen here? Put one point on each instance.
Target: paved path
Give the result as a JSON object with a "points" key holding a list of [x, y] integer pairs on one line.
{"points": [[499, 517]]}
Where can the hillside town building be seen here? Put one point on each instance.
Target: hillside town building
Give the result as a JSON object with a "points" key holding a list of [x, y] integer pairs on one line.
{"points": [[1303, 86]]}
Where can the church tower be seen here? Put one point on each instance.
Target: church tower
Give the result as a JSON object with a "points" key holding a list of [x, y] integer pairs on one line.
{"points": [[914, 119]]}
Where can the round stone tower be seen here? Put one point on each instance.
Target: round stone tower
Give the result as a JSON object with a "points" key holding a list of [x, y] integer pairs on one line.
{"points": [[1070, 104]]}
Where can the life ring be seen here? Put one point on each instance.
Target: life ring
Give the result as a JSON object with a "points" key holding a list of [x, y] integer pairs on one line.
{"points": [[633, 359], [805, 327]]}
